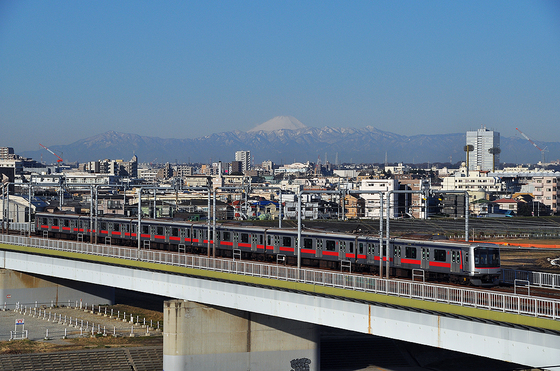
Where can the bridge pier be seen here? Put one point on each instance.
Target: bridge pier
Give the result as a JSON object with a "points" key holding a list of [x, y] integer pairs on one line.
{"points": [[207, 337], [26, 289]]}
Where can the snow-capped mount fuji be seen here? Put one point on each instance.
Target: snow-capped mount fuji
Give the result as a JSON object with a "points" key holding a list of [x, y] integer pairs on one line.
{"points": [[279, 123]]}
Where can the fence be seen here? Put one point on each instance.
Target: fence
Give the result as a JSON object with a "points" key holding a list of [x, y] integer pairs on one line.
{"points": [[482, 299], [539, 279]]}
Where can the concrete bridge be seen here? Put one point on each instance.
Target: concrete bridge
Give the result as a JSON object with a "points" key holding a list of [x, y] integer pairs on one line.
{"points": [[274, 306]]}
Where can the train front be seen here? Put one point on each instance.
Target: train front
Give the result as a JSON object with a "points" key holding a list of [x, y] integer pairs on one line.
{"points": [[484, 266]]}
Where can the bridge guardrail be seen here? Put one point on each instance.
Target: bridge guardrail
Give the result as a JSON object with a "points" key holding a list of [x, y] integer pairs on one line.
{"points": [[519, 304]]}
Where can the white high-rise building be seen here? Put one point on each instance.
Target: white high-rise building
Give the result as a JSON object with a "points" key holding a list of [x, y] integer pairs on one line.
{"points": [[245, 158], [484, 142]]}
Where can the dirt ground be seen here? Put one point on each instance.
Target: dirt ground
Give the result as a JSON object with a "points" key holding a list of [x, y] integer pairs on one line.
{"points": [[530, 259]]}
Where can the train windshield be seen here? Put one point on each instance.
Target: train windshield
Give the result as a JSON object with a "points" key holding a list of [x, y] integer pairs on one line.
{"points": [[486, 257]]}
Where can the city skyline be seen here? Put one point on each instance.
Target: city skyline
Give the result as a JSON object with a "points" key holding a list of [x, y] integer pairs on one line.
{"points": [[185, 70]]}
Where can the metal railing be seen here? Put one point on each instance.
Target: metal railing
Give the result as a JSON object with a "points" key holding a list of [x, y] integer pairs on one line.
{"points": [[538, 279], [501, 302], [21, 227]]}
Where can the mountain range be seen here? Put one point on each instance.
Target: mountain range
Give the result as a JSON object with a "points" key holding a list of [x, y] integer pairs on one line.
{"points": [[285, 140]]}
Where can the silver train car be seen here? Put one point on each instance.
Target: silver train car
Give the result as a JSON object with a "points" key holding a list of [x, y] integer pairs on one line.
{"points": [[459, 262]]}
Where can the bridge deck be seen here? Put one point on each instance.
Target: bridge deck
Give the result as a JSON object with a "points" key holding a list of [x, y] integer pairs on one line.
{"points": [[511, 309]]}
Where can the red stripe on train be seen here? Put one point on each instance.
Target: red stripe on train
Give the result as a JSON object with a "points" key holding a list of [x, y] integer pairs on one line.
{"points": [[330, 253], [410, 261], [282, 248], [226, 243], [440, 264], [309, 251], [384, 259]]}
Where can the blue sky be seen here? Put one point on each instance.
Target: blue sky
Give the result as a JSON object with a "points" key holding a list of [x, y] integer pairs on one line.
{"points": [[182, 69]]}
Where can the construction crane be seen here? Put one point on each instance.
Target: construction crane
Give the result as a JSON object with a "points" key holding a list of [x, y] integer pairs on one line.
{"points": [[59, 158], [534, 144]]}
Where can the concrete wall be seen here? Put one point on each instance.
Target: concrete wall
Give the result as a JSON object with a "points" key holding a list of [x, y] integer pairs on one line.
{"points": [[26, 289], [204, 337]]}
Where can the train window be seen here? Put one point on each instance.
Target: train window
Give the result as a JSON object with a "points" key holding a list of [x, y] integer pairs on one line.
{"points": [[126, 227], [343, 246], [145, 229], [117, 227], [188, 233], [486, 257], [175, 232], [352, 247], [103, 226], [410, 252], [361, 248], [44, 221], [160, 230], [320, 244], [439, 255], [67, 223], [384, 250], [397, 251], [268, 240], [307, 243], [286, 241], [331, 246], [55, 222], [261, 239], [244, 237], [227, 236]]}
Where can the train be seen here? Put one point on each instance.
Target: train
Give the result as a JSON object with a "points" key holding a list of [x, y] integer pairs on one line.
{"points": [[461, 262]]}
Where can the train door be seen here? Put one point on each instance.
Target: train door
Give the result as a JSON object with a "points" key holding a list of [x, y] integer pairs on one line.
{"points": [[425, 264], [397, 255], [319, 244], [342, 248], [370, 249], [235, 240], [455, 261], [254, 241]]}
